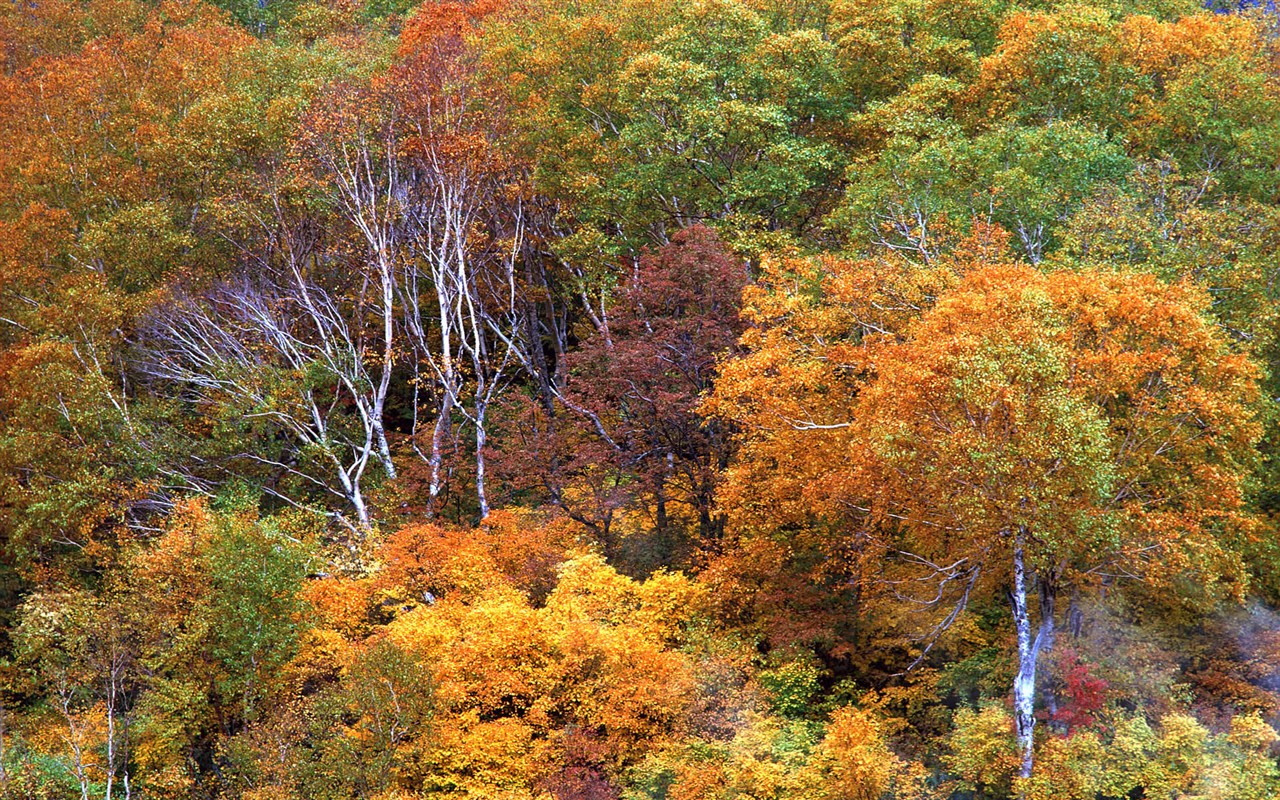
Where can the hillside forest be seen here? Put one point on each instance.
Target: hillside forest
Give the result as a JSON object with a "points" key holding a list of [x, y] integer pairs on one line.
{"points": [[639, 400]]}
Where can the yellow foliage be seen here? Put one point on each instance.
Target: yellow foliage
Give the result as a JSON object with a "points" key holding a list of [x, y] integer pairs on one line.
{"points": [[982, 750], [513, 682], [1179, 759], [858, 760]]}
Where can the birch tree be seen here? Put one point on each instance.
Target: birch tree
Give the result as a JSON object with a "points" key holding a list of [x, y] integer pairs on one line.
{"points": [[462, 308], [283, 356]]}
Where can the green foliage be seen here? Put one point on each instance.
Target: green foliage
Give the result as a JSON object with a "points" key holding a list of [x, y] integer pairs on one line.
{"points": [[253, 609], [362, 731], [1178, 759], [919, 197], [790, 686], [710, 117]]}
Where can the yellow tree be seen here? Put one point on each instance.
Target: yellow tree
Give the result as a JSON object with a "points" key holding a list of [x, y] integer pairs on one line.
{"points": [[1028, 431]]}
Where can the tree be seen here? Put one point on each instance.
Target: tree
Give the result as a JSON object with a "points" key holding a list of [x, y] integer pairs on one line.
{"points": [[286, 357], [350, 137], [216, 603], [1035, 431], [462, 201], [919, 195], [675, 114], [569, 693], [82, 653], [627, 420]]}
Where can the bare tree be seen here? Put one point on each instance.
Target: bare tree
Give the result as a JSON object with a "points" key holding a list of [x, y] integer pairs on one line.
{"points": [[285, 355], [358, 154], [466, 214], [468, 250]]}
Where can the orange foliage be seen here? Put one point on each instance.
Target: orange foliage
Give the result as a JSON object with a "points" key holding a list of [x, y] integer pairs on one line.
{"points": [[827, 379], [445, 24], [518, 687], [520, 549], [341, 604]]}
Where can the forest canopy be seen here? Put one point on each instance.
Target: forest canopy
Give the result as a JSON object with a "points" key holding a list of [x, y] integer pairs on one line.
{"points": [[617, 400]]}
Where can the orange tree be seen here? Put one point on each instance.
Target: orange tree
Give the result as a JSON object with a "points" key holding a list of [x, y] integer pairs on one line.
{"points": [[1024, 431]]}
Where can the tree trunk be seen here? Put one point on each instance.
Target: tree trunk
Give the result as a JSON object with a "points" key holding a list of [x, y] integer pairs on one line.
{"points": [[384, 449], [387, 270], [1075, 615], [355, 497], [438, 434], [1048, 585], [482, 437], [1024, 685]]}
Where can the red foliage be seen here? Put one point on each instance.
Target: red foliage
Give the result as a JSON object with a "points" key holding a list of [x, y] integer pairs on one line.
{"points": [[632, 428], [1082, 695]]}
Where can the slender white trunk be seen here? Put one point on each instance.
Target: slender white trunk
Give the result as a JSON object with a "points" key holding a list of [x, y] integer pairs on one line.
{"points": [[388, 362], [446, 372], [384, 449], [111, 735], [1024, 685], [348, 477], [481, 439], [438, 435], [74, 738], [1029, 649], [356, 498]]}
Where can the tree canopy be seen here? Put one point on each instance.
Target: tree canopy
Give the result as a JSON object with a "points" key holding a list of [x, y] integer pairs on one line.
{"points": [[632, 400]]}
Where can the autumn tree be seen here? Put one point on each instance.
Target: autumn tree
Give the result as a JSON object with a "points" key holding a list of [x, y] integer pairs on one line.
{"points": [[1036, 431], [464, 321], [627, 408]]}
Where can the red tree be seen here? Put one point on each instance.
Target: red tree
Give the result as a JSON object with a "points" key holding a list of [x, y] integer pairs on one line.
{"points": [[626, 430]]}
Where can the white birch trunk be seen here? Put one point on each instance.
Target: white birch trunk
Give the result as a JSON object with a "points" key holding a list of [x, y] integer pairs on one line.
{"points": [[1024, 684]]}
